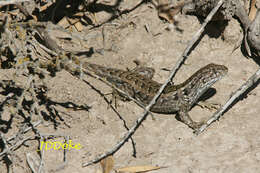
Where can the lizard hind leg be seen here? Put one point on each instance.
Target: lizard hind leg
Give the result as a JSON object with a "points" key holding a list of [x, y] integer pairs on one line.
{"points": [[120, 96], [115, 96]]}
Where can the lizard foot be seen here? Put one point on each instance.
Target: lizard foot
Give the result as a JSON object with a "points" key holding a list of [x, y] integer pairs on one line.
{"points": [[209, 105], [186, 119], [196, 125]]}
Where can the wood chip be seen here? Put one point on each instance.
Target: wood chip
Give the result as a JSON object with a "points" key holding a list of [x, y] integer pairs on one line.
{"points": [[78, 26], [107, 164]]}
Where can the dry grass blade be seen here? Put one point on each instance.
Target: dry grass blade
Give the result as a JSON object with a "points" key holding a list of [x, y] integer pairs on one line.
{"points": [[136, 169], [107, 164]]}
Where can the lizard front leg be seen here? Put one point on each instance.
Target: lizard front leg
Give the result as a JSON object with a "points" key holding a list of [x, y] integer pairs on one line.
{"points": [[141, 69], [186, 119], [184, 108]]}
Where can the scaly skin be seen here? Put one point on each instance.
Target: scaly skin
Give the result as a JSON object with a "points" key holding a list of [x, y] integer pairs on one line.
{"points": [[180, 98]]}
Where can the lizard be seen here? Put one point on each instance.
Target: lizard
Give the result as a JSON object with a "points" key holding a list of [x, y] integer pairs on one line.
{"points": [[138, 84]]}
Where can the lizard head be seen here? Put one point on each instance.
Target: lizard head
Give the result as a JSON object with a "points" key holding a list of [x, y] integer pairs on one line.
{"points": [[202, 80]]}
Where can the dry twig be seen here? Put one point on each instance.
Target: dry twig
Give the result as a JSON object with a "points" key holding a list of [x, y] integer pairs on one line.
{"points": [[7, 150], [248, 84]]}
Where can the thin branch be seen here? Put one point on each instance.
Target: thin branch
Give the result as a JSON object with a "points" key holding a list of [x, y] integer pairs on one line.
{"points": [[7, 149], [196, 37], [116, 112], [12, 2], [145, 114], [249, 83], [12, 148], [26, 130]]}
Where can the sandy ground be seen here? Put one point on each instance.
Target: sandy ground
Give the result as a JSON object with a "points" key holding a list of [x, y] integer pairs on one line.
{"points": [[231, 144]]}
